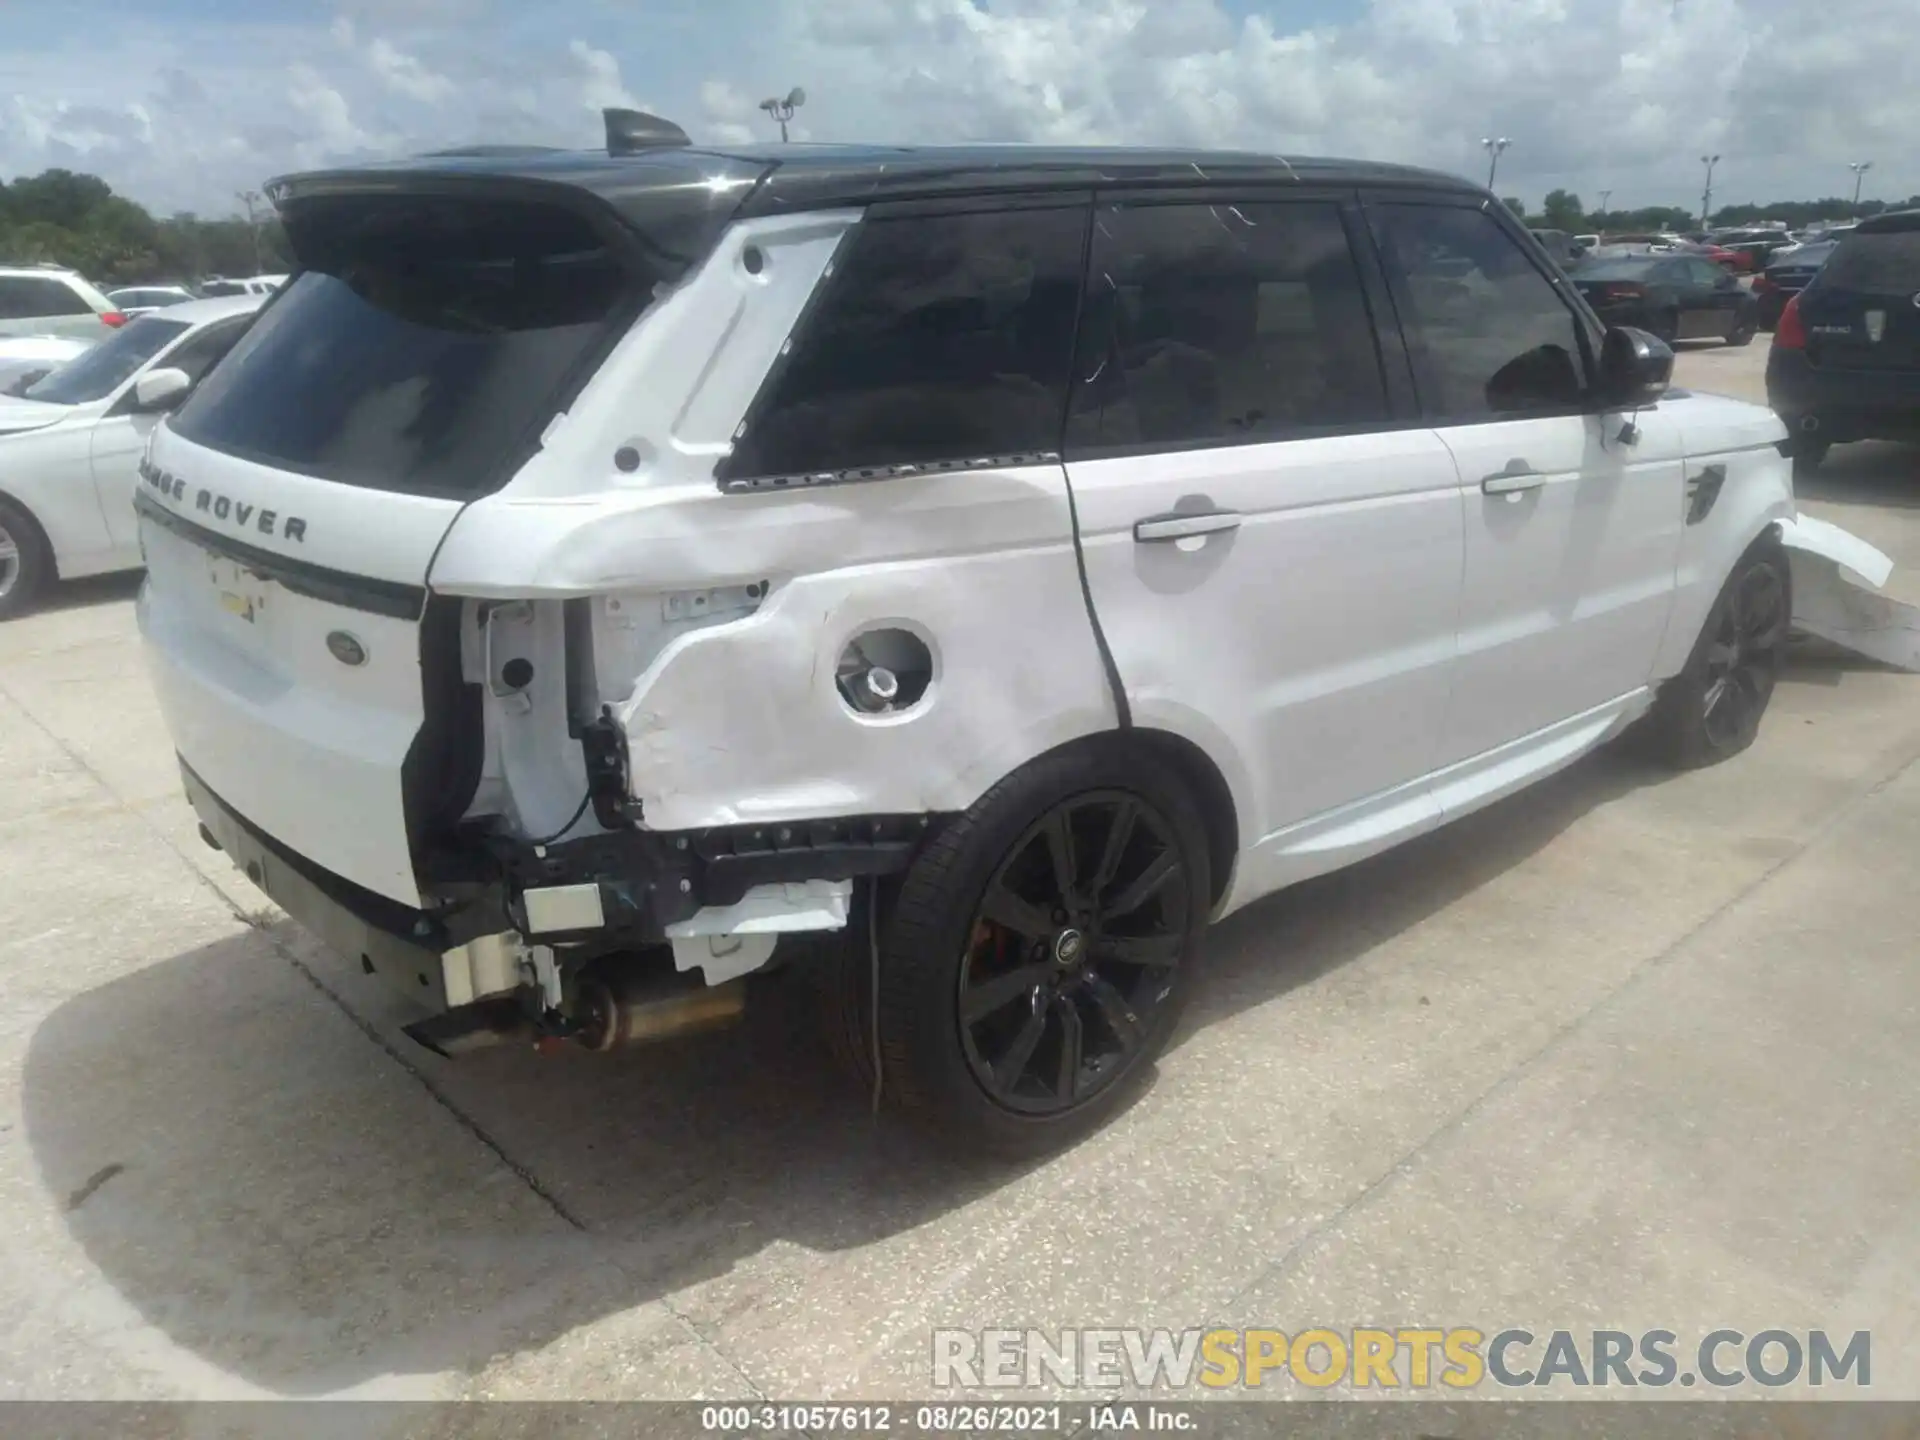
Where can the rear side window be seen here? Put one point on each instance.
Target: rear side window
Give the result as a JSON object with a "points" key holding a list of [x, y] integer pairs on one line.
{"points": [[1224, 324], [1490, 335], [942, 338], [28, 297], [427, 344], [1888, 263]]}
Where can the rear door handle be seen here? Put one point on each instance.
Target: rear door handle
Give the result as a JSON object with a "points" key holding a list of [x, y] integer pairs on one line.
{"points": [[1180, 525], [1518, 476]]}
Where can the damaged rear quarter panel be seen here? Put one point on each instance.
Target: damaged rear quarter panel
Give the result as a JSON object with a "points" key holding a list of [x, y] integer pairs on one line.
{"points": [[744, 722]]}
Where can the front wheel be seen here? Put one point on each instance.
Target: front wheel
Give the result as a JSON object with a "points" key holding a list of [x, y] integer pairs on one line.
{"points": [[1743, 330], [1711, 710], [1666, 327], [1041, 948], [26, 564]]}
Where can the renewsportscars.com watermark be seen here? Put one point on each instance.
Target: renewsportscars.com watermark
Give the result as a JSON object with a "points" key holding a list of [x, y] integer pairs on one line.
{"points": [[1406, 1358]]}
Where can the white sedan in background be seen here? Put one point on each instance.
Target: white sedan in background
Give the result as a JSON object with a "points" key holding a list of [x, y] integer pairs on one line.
{"points": [[70, 444]]}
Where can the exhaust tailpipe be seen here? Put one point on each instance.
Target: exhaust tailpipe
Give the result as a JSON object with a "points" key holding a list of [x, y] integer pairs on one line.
{"points": [[622, 1010]]}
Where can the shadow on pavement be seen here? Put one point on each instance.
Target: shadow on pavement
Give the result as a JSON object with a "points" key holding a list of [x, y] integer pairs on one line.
{"points": [[1866, 473], [93, 590], [292, 1208]]}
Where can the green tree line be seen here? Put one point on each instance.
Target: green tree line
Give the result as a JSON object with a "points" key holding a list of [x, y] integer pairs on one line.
{"points": [[63, 218], [1562, 210]]}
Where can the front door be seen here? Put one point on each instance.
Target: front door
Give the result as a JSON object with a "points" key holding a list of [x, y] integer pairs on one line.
{"points": [[1272, 549], [1572, 531]]}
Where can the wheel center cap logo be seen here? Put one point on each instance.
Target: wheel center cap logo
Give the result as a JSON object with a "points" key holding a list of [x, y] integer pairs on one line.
{"points": [[1067, 948]]}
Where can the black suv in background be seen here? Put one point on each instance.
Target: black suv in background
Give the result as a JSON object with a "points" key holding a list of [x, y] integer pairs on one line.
{"points": [[1845, 363]]}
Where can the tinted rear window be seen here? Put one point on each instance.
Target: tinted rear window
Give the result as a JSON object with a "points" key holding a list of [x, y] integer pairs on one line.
{"points": [[424, 348], [1887, 262]]}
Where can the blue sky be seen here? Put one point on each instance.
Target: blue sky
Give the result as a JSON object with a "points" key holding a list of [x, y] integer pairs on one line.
{"points": [[180, 103]]}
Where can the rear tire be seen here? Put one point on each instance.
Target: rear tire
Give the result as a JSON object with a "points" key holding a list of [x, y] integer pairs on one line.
{"points": [[1743, 330], [1666, 328], [1711, 710], [1040, 950], [26, 561]]}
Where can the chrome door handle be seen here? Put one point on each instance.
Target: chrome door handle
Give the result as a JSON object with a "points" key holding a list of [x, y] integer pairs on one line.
{"points": [[1178, 525], [1518, 476]]}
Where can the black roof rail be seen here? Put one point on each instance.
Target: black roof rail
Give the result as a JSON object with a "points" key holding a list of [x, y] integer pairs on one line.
{"points": [[631, 131]]}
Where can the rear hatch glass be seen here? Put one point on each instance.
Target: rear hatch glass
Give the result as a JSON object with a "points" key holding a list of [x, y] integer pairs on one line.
{"points": [[1861, 311], [424, 346]]}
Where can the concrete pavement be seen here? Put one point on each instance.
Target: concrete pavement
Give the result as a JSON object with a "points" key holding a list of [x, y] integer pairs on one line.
{"points": [[1630, 1050]]}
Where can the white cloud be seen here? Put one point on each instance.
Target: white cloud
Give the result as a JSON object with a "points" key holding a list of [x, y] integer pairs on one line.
{"points": [[1619, 95], [407, 76], [600, 84], [728, 114]]}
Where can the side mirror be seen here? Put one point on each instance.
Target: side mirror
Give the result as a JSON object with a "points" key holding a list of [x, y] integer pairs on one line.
{"points": [[161, 389], [1635, 368]]}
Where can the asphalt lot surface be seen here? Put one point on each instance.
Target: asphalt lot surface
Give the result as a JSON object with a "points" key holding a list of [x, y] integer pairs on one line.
{"points": [[1630, 1050]]}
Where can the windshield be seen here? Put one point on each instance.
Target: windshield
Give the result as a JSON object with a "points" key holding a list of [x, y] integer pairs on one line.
{"points": [[1887, 261], [108, 365], [424, 345]]}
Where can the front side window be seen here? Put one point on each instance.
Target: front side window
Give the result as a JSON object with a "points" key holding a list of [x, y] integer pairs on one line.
{"points": [[1218, 324], [423, 348], [98, 372], [943, 338], [1490, 334]]}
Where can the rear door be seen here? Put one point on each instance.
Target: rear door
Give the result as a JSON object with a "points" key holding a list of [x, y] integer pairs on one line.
{"points": [[1272, 542], [1571, 536], [292, 508], [1863, 310]]}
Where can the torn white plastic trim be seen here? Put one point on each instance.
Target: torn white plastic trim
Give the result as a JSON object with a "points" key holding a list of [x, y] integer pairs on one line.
{"points": [[728, 941], [1836, 582]]}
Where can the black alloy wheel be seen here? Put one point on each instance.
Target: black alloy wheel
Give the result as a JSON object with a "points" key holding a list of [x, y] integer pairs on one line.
{"points": [[1074, 946], [1743, 657], [1711, 710]]}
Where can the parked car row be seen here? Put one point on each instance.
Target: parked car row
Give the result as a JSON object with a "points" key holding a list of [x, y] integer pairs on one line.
{"points": [[45, 300]]}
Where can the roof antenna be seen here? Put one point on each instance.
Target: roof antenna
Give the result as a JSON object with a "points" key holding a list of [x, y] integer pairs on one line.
{"points": [[631, 131]]}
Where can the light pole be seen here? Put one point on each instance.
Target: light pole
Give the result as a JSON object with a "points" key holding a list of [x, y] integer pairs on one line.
{"points": [[781, 108], [1493, 149], [1860, 169], [1605, 195], [251, 198], [1706, 195]]}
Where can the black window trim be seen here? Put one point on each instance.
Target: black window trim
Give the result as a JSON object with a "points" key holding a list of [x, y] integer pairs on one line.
{"points": [[734, 480], [1587, 327], [1390, 349]]}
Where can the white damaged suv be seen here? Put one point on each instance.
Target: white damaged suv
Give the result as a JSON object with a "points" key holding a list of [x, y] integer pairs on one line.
{"points": [[595, 575]]}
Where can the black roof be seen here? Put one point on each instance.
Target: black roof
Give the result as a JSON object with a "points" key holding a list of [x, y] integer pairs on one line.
{"points": [[777, 179]]}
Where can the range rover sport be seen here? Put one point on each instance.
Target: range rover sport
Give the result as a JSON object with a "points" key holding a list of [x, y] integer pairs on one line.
{"points": [[968, 572]]}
